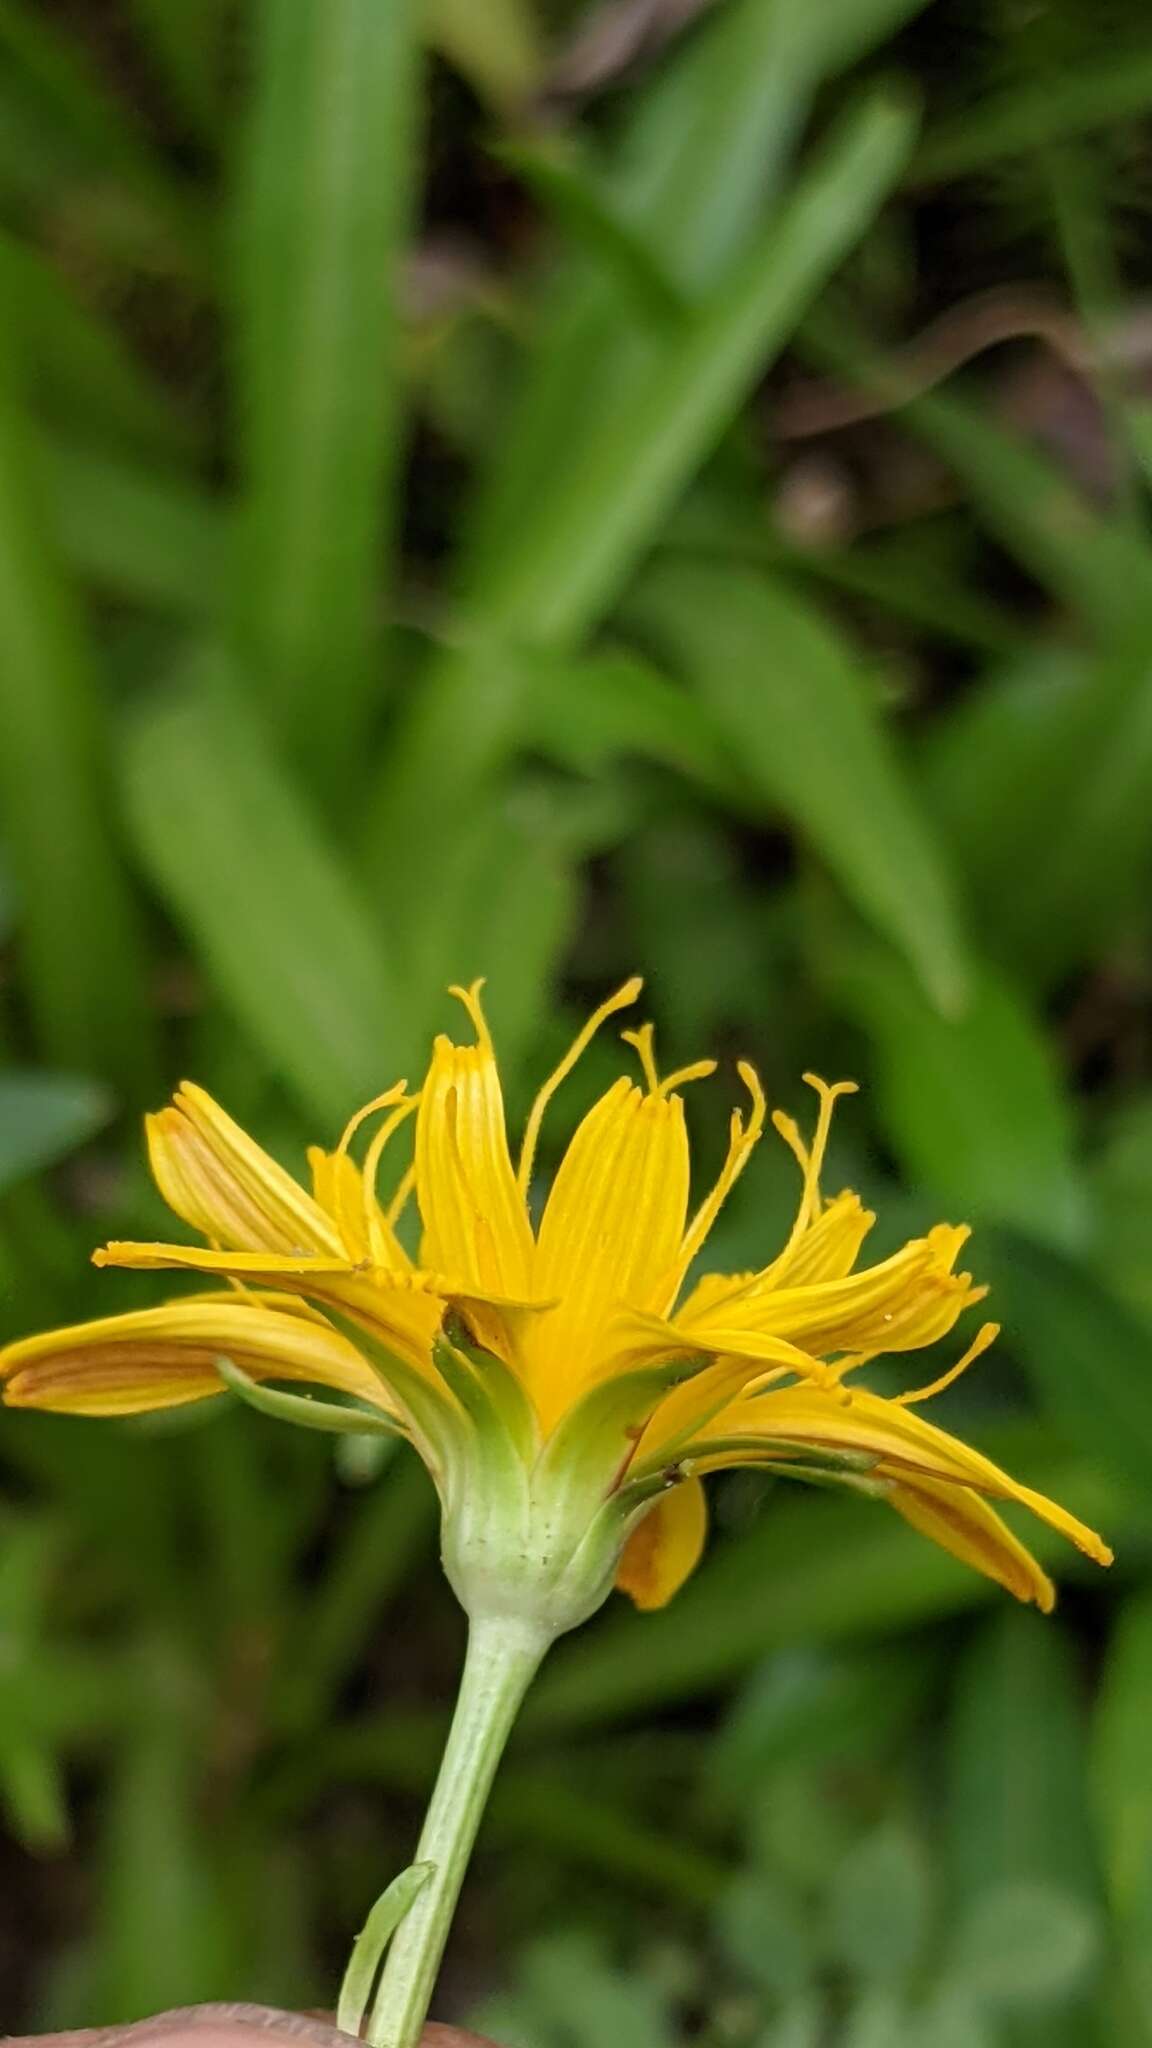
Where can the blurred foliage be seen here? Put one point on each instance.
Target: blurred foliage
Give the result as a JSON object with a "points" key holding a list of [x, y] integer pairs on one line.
{"points": [[550, 492]]}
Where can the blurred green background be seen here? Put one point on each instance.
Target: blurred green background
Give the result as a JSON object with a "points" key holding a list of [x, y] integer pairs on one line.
{"points": [[550, 491]]}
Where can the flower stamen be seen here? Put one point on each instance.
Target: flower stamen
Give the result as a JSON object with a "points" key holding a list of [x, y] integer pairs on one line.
{"points": [[620, 1001], [400, 1199], [372, 1158], [641, 1039], [394, 1094], [811, 1159], [742, 1141], [699, 1070], [985, 1336], [470, 997]]}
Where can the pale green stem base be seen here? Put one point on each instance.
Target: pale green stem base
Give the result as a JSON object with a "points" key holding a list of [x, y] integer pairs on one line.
{"points": [[503, 1657]]}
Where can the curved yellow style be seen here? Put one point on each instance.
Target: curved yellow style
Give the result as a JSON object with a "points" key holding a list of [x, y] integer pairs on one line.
{"points": [[573, 1340]]}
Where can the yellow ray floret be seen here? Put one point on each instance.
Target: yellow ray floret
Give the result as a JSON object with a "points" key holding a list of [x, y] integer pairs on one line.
{"points": [[577, 1335]]}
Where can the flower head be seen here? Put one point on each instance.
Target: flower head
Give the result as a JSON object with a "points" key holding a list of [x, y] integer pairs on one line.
{"points": [[566, 1392]]}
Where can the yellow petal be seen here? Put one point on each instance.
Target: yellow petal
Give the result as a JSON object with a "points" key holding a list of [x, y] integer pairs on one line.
{"points": [[904, 1445], [632, 1339], [474, 1216], [664, 1549], [910, 1300], [828, 1249], [403, 1314], [211, 1173], [364, 1231], [959, 1521], [164, 1357], [610, 1235]]}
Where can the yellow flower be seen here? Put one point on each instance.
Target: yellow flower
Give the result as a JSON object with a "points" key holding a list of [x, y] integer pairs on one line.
{"points": [[565, 1392]]}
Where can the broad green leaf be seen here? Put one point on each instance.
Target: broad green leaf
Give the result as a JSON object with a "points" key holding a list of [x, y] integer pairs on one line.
{"points": [[1018, 1824], [1088, 1357], [952, 2018], [1016, 1812], [322, 218], [570, 1983], [973, 1103], [1121, 1184], [1025, 1943], [766, 1935], [797, 714], [79, 947], [875, 2020], [43, 1117], [812, 1705], [800, 2024], [235, 851], [879, 1907], [1120, 1784], [1042, 781], [163, 1934]]}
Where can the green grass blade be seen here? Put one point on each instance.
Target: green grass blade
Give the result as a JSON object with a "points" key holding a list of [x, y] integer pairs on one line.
{"points": [[796, 711], [137, 533], [83, 971], [85, 376], [498, 48], [1094, 563], [90, 130], [1017, 121], [187, 46], [698, 167], [321, 221], [245, 869], [620, 483], [567, 190], [589, 533]]}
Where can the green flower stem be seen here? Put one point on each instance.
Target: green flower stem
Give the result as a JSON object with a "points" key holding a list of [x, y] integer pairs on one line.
{"points": [[503, 1657]]}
